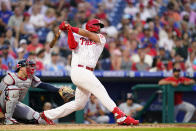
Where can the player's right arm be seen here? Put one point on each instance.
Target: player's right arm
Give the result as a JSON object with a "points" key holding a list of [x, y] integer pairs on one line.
{"points": [[167, 82], [97, 38], [92, 36]]}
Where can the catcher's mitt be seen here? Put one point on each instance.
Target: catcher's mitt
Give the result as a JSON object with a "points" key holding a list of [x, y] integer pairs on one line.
{"points": [[66, 93]]}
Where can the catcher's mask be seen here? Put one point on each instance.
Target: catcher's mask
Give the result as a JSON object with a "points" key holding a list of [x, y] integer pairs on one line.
{"points": [[29, 64], [90, 25]]}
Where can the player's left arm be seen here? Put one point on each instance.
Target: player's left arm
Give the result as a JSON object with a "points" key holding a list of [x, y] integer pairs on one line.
{"points": [[42, 85], [65, 92], [139, 108], [188, 81]]}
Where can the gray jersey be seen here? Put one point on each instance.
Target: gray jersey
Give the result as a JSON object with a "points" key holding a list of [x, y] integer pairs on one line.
{"points": [[126, 109], [22, 84]]}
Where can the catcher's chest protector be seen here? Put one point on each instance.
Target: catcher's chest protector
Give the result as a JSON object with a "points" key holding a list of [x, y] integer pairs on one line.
{"points": [[23, 85]]}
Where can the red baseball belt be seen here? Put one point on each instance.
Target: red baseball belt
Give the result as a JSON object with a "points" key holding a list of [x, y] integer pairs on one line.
{"points": [[88, 68]]}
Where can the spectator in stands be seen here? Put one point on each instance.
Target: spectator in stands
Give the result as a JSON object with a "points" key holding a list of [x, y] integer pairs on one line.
{"points": [[49, 17], [32, 56], [36, 18], [157, 65], [40, 52], [7, 3], [22, 4], [166, 40], [175, 81], [125, 24], [2, 38], [116, 59], [141, 65], [15, 20], [34, 43], [191, 63], [163, 55], [192, 5], [94, 112], [2, 66], [21, 53], [126, 63], [181, 48], [133, 47], [180, 60], [129, 107], [13, 42], [160, 62], [55, 65], [141, 52], [143, 23], [23, 45], [82, 13], [191, 13], [100, 12], [131, 9], [151, 8], [7, 58], [27, 28], [109, 29], [109, 5], [41, 7], [143, 13], [5, 14], [148, 39]]}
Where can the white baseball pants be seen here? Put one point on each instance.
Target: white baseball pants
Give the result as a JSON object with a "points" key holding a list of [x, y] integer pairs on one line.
{"points": [[188, 108], [86, 83]]}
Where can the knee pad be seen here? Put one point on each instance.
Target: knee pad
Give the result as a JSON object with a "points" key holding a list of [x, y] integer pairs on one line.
{"points": [[11, 98]]}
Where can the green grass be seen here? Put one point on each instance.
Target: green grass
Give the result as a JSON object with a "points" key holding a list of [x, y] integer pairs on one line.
{"points": [[135, 129], [130, 129]]}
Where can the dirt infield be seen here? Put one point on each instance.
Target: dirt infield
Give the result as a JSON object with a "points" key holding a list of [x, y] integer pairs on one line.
{"points": [[93, 126]]}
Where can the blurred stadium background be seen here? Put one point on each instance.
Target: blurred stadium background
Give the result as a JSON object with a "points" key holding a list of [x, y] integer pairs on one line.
{"points": [[144, 39]]}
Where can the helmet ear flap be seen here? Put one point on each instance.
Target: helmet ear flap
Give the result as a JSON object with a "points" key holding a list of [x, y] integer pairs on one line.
{"points": [[91, 25]]}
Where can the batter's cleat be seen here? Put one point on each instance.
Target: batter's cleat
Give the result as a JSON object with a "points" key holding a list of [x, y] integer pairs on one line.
{"points": [[130, 121], [48, 121], [122, 119], [10, 121]]}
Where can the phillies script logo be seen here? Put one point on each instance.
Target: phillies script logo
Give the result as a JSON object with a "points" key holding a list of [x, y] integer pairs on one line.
{"points": [[86, 42]]}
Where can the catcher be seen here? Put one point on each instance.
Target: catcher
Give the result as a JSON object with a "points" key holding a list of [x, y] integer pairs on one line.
{"points": [[13, 89]]}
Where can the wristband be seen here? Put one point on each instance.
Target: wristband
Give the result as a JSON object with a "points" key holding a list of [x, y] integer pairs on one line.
{"points": [[75, 29]]}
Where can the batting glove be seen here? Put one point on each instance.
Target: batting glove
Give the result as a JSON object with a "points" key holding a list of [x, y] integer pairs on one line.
{"points": [[63, 26]]}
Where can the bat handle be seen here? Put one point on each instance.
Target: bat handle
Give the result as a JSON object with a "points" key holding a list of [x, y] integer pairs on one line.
{"points": [[55, 38], [58, 34]]}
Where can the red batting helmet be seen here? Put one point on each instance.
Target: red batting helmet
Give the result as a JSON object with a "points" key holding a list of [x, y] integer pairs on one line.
{"points": [[90, 25]]}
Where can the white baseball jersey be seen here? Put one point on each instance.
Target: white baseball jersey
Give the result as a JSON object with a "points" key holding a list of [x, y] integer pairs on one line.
{"points": [[88, 52]]}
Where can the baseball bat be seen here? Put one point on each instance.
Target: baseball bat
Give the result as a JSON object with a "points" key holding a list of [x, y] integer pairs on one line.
{"points": [[53, 42]]}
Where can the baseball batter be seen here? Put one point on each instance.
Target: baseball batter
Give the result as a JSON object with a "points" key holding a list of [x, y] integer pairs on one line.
{"points": [[13, 89], [87, 46]]}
